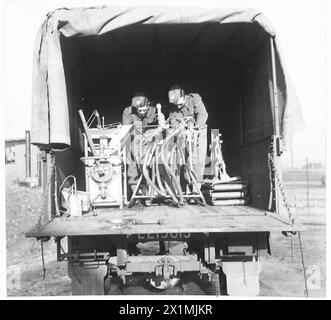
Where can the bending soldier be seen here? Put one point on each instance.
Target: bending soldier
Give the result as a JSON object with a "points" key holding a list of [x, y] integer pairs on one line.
{"points": [[141, 114]]}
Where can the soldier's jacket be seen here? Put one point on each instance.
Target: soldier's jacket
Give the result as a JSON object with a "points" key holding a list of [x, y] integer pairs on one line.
{"points": [[130, 116], [193, 106]]}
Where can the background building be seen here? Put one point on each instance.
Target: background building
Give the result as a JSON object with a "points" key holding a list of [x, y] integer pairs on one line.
{"points": [[22, 159]]}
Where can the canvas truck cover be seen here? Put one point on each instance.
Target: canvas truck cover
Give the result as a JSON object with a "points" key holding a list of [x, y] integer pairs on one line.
{"points": [[50, 106]]}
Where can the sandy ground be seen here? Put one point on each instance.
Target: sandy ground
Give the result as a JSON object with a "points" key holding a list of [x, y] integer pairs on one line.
{"points": [[282, 273]]}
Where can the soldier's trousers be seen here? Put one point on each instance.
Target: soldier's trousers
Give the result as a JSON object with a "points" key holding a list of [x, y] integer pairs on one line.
{"points": [[135, 163]]}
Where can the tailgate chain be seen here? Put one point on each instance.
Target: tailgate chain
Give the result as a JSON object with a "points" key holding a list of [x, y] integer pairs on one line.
{"points": [[272, 169]]}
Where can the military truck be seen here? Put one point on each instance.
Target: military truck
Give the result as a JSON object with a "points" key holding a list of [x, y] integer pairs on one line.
{"points": [[95, 58]]}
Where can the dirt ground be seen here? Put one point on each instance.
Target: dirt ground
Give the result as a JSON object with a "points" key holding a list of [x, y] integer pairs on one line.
{"points": [[282, 272]]}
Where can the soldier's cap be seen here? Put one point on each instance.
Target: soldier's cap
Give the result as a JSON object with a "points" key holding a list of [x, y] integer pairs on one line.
{"points": [[139, 99], [176, 87], [175, 93]]}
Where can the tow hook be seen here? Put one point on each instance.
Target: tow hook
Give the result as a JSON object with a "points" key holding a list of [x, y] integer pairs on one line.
{"points": [[167, 272]]}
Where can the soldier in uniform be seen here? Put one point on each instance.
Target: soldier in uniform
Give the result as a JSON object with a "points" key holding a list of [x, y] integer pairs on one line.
{"points": [[140, 113], [191, 105]]}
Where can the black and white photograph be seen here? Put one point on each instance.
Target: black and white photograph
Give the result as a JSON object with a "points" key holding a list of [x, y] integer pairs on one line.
{"points": [[164, 149]]}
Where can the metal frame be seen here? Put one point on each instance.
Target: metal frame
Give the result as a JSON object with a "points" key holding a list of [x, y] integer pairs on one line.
{"points": [[121, 151]]}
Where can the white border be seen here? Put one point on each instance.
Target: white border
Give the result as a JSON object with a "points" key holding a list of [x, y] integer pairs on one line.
{"points": [[170, 3]]}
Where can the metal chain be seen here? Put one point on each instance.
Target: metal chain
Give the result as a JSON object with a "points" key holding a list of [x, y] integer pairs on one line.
{"points": [[272, 167]]}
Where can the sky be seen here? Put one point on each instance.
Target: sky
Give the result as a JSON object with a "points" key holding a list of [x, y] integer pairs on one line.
{"points": [[300, 27]]}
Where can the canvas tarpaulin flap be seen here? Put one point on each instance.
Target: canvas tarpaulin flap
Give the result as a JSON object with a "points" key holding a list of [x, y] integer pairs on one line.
{"points": [[50, 118]]}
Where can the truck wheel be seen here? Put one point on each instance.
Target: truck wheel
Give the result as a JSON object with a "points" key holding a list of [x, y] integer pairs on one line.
{"points": [[217, 285], [214, 287], [222, 281], [113, 285]]}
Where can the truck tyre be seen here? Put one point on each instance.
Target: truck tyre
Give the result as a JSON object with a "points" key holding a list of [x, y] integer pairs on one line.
{"points": [[113, 285], [217, 285], [222, 281], [214, 287]]}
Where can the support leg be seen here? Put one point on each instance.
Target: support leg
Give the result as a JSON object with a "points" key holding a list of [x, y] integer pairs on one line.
{"points": [[87, 281]]}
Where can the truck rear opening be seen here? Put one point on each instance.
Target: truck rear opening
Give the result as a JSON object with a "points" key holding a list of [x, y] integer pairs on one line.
{"points": [[236, 69], [229, 65]]}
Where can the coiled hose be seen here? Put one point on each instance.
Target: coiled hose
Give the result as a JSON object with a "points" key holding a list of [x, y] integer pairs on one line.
{"points": [[167, 167], [167, 180], [157, 170], [147, 158]]}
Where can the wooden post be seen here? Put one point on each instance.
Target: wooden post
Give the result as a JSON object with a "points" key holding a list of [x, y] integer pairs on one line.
{"points": [[27, 154], [307, 184], [40, 169], [47, 181]]}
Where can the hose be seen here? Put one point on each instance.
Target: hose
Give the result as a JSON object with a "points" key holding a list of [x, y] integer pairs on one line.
{"points": [[169, 186], [168, 169], [150, 155], [160, 191], [153, 172], [186, 175], [168, 183], [182, 161], [172, 195], [173, 163], [170, 160], [158, 177], [147, 158]]}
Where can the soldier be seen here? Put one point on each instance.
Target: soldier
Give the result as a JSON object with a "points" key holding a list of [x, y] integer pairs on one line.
{"points": [[140, 113], [191, 105]]}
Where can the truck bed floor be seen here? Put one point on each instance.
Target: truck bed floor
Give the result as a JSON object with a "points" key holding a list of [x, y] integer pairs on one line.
{"points": [[166, 219]]}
